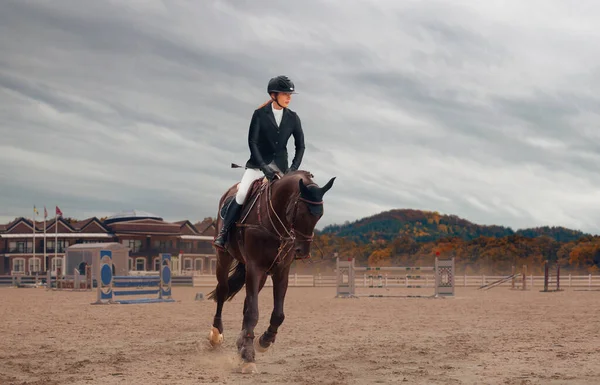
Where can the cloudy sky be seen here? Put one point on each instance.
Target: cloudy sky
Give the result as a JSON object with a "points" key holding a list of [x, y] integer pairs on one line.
{"points": [[487, 110]]}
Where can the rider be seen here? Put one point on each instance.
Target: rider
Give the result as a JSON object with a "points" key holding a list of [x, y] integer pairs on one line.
{"points": [[271, 126]]}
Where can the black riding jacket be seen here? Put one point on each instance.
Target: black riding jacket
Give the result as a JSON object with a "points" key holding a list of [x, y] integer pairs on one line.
{"points": [[269, 143]]}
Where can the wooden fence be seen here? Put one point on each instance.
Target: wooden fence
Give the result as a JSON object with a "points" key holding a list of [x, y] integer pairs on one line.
{"points": [[295, 280], [362, 280]]}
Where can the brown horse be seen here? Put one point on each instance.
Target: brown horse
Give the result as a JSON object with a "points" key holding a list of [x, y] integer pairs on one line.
{"points": [[276, 227]]}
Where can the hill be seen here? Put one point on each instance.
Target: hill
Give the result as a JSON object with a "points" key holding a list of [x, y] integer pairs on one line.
{"points": [[410, 237], [429, 226]]}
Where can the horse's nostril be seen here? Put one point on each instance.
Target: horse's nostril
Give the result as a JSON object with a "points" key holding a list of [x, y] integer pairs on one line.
{"points": [[298, 250]]}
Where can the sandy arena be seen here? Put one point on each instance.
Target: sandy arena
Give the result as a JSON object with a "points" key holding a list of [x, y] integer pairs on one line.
{"points": [[479, 337]]}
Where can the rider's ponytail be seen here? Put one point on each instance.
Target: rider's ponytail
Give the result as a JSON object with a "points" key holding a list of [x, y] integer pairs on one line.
{"points": [[265, 103]]}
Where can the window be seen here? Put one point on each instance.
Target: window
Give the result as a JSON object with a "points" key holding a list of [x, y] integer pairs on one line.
{"points": [[187, 264], [157, 264], [57, 263], [174, 263], [35, 265], [62, 245], [161, 245], [140, 264], [130, 264], [20, 247], [18, 265], [199, 264], [81, 268], [24, 247], [134, 244]]}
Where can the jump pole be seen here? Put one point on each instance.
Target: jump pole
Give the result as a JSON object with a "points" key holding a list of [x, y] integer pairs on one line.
{"points": [[547, 278], [523, 276]]}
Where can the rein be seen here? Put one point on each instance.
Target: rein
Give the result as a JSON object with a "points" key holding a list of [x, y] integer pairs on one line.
{"points": [[286, 237]]}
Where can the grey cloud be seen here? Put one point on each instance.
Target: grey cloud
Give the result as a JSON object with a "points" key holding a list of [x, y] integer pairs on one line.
{"points": [[474, 123], [435, 106]]}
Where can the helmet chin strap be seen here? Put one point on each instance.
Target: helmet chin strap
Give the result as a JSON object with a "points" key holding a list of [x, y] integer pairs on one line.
{"points": [[275, 100]]}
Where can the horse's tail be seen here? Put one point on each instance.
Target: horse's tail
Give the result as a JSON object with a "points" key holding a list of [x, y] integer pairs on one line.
{"points": [[236, 281]]}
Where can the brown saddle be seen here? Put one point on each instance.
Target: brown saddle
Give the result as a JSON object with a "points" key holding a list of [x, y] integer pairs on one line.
{"points": [[253, 193]]}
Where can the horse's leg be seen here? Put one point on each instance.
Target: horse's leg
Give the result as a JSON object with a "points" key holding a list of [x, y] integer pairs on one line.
{"points": [[280, 285], [263, 280], [245, 344], [224, 260], [240, 340]]}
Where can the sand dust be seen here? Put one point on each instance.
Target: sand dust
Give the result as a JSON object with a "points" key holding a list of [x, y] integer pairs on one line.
{"points": [[494, 337]]}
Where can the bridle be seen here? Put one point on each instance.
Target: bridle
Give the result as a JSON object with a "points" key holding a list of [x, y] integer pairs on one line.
{"points": [[287, 236]]}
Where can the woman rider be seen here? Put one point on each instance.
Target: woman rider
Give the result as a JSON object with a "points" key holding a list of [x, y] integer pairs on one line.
{"points": [[271, 126]]}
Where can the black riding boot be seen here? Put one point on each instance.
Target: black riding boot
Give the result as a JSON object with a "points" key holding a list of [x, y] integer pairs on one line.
{"points": [[232, 214]]}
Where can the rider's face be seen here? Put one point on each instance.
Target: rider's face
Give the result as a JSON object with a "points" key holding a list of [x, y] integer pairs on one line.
{"points": [[284, 98]]}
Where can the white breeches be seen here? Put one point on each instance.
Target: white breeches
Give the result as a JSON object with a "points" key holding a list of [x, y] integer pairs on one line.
{"points": [[250, 175]]}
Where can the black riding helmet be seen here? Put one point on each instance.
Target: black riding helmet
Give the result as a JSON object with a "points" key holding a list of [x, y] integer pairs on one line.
{"points": [[281, 84]]}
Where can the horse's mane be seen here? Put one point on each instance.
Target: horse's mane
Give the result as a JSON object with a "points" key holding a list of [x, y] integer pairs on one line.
{"points": [[301, 173]]}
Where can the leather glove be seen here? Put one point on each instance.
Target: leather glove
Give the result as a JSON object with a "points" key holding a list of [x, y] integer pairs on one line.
{"points": [[269, 172]]}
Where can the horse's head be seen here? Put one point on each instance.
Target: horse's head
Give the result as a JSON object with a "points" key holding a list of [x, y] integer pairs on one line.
{"points": [[304, 209]]}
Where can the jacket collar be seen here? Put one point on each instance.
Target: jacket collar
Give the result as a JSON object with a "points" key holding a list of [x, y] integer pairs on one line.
{"points": [[269, 109]]}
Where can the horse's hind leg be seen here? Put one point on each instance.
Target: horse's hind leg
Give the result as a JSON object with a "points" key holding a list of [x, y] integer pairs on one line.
{"points": [[224, 261], [280, 285]]}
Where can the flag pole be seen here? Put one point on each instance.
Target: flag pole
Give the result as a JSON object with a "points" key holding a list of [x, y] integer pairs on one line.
{"points": [[56, 238], [33, 222], [58, 212], [45, 251]]}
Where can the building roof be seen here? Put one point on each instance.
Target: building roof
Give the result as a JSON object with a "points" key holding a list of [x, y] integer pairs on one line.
{"points": [[81, 224], [206, 227], [107, 245], [128, 215], [145, 226], [132, 222]]}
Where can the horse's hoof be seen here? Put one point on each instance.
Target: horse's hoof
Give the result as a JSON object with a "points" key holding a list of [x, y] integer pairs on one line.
{"points": [[258, 347], [215, 338], [249, 368]]}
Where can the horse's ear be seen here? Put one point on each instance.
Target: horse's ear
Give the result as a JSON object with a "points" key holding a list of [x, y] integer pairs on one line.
{"points": [[326, 188], [304, 191]]}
